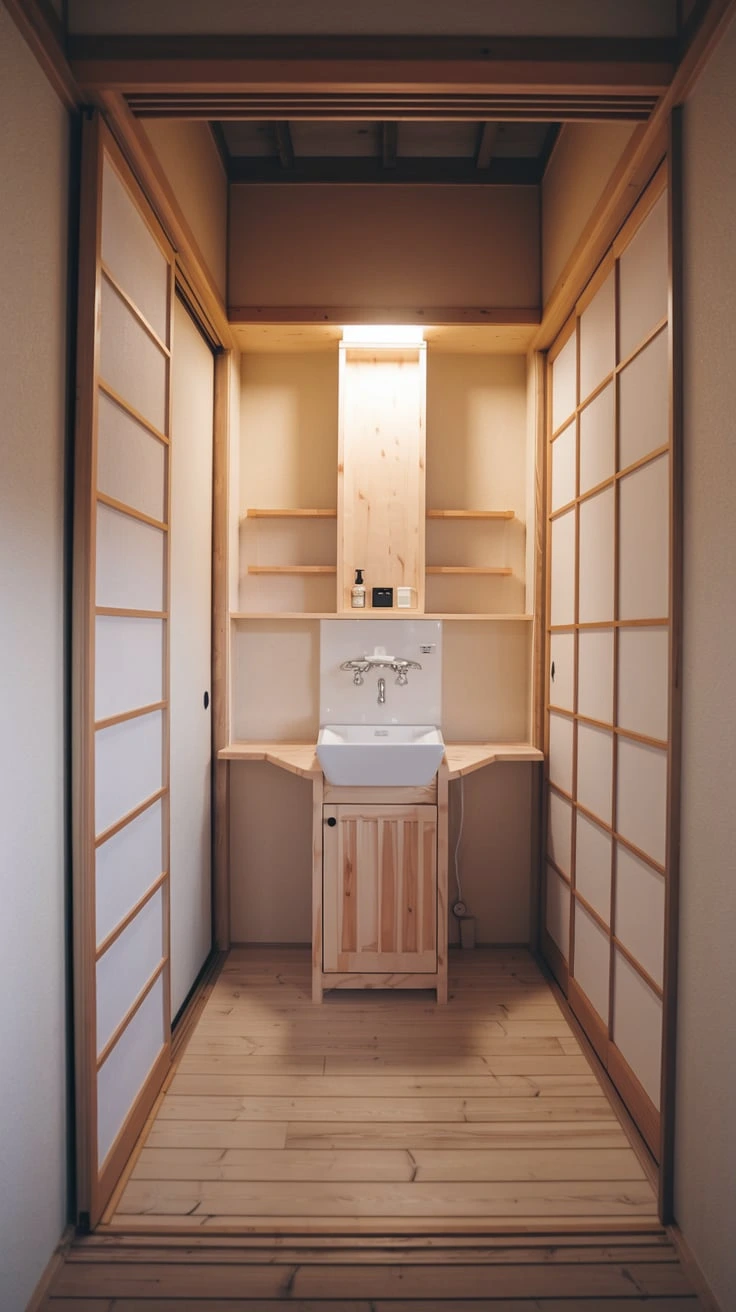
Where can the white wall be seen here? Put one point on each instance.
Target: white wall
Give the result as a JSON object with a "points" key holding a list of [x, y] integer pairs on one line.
{"points": [[582, 162], [33, 235], [706, 1128], [189, 158]]}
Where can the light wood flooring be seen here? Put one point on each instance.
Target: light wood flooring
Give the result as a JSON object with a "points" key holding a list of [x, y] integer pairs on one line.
{"points": [[201, 1273], [382, 1113]]}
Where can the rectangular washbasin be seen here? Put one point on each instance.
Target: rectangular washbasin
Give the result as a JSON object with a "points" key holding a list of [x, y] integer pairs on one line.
{"points": [[380, 755]]}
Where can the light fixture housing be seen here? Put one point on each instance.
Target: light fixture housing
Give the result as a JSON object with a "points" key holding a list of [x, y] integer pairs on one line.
{"points": [[386, 336]]}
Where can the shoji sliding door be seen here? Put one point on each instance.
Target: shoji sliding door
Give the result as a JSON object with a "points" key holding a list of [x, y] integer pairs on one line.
{"points": [[121, 668], [610, 614]]}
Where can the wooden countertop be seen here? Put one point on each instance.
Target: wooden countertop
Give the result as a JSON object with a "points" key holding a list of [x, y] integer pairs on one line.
{"points": [[300, 758]]}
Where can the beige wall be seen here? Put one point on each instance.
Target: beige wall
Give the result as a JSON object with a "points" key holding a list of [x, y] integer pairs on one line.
{"points": [[33, 235], [582, 162], [638, 17], [706, 1127], [190, 160], [374, 246]]}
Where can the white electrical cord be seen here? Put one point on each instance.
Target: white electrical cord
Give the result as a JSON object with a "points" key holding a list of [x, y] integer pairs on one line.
{"points": [[460, 909]]}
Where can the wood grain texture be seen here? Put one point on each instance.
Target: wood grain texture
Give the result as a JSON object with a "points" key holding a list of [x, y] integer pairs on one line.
{"points": [[383, 1110]]}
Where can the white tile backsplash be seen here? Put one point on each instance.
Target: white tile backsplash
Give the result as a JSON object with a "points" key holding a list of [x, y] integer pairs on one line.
{"points": [[341, 702]]}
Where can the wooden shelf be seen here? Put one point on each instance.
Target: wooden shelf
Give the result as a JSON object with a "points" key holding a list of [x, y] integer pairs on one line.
{"points": [[256, 512], [470, 514], [499, 570], [494, 617], [292, 569]]}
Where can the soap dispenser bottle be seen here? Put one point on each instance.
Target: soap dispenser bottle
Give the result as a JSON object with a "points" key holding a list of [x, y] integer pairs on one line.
{"points": [[357, 592]]}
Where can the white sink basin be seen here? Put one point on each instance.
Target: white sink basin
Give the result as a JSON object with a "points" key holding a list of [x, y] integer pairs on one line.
{"points": [[380, 755]]}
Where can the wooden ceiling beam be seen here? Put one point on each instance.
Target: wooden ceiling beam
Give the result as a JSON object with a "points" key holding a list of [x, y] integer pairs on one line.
{"points": [[338, 64], [340, 170]]}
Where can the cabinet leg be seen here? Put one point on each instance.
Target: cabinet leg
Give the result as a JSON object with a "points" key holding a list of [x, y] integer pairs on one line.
{"points": [[317, 989], [442, 991]]}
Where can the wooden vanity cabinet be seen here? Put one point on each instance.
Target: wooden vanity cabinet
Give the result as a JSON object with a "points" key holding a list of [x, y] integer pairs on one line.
{"points": [[380, 887]]}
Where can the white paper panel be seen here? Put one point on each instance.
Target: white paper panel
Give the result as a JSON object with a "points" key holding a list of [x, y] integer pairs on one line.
{"points": [[130, 361], [132, 255], [643, 680], [560, 751], [562, 656], [598, 338], [597, 441], [593, 866], [128, 767], [644, 542], [126, 866], [124, 1073], [643, 280], [129, 664], [595, 770], [557, 919], [641, 814], [596, 558], [564, 487], [559, 832], [126, 966], [595, 674], [591, 964], [564, 388], [640, 911], [131, 463], [131, 560], [643, 401], [637, 1026], [562, 593]]}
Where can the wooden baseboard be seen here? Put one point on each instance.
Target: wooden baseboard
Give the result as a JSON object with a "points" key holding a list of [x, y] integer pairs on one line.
{"points": [[708, 1301], [51, 1270], [193, 1008]]}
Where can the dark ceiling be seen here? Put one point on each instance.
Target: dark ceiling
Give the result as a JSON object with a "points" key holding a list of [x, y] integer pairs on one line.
{"points": [[359, 151]]}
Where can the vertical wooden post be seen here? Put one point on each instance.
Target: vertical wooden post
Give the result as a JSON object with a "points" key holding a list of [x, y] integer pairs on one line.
{"points": [[221, 654], [443, 861], [317, 896]]}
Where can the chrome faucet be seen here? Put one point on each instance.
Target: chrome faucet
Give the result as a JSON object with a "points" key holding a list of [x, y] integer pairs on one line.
{"points": [[381, 692]]}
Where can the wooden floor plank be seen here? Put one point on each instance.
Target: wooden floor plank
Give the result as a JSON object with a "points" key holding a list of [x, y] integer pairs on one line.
{"points": [[485, 1112]]}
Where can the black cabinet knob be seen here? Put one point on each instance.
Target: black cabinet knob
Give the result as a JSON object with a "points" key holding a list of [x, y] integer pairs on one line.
{"points": [[332, 822]]}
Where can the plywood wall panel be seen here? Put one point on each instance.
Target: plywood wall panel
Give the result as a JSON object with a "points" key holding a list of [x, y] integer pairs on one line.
{"points": [[378, 246], [485, 681], [190, 159], [281, 657]]}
